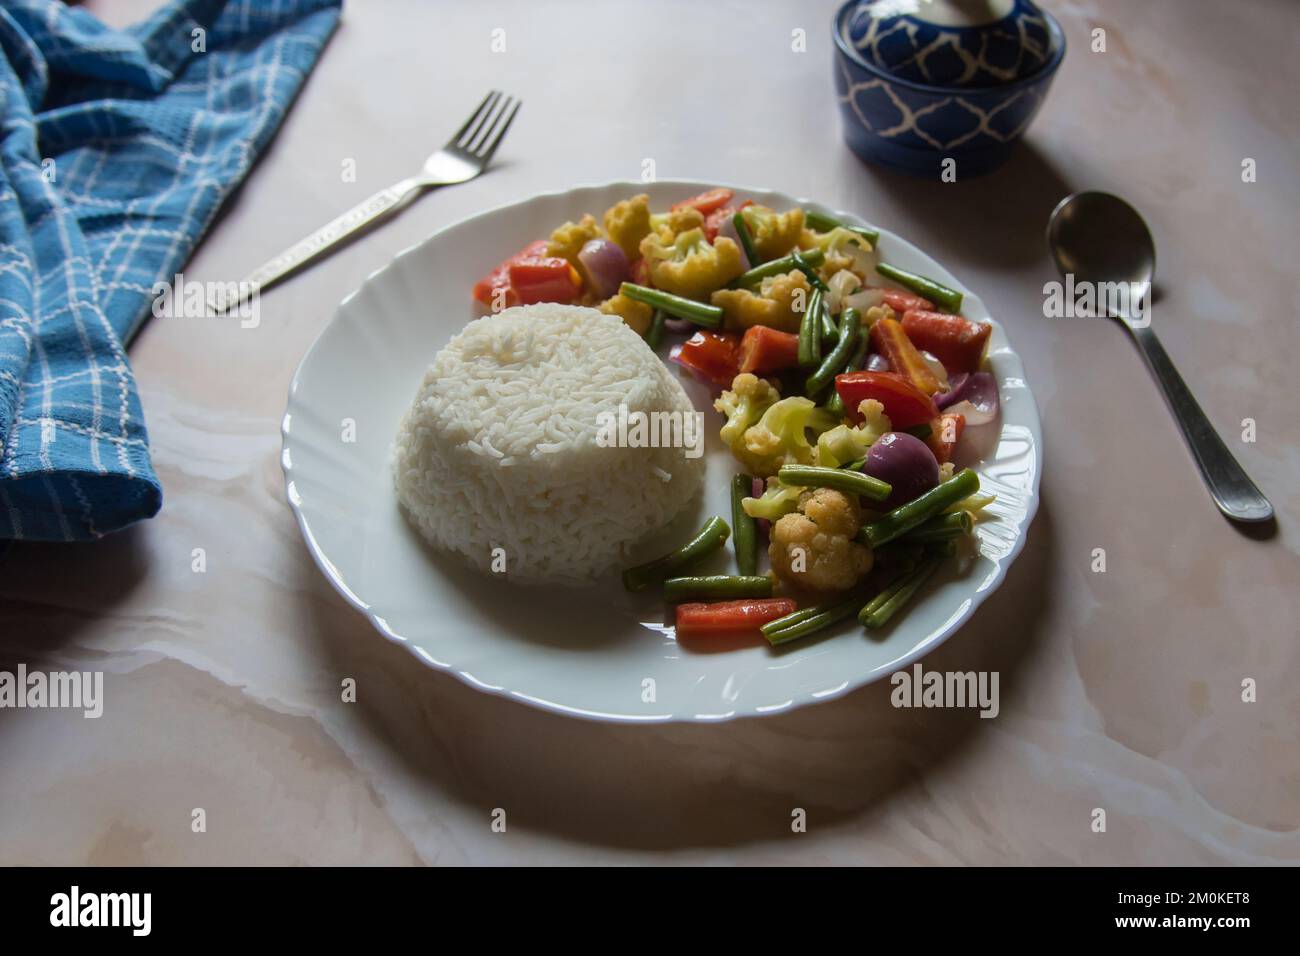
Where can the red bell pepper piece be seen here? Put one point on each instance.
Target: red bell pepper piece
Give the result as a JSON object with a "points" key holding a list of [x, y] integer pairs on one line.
{"points": [[764, 350], [545, 279], [485, 290], [905, 404], [956, 342], [706, 202], [889, 339], [712, 355], [641, 271], [730, 617], [944, 434]]}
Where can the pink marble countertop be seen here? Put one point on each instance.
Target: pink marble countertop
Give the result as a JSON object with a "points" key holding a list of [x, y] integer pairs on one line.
{"points": [[1120, 690]]}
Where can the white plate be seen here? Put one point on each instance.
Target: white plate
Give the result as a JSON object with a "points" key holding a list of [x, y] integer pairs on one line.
{"points": [[597, 653]]}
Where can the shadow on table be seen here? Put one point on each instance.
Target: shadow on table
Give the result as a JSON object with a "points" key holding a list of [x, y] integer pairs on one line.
{"points": [[682, 786], [997, 221], [49, 592]]}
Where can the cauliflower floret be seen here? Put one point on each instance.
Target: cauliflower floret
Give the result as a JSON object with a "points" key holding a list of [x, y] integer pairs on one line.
{"points": [[779, 438], [874, 420], [636, 315], [774, 305], [832, 511], [813, 548], [835, 241], [837, 264], [627, 223], [778, 499], [669, 225], [845, 443], [568, 240], [744, 404], [875, 314], [689, 265], [774, 234], [844, 250]]}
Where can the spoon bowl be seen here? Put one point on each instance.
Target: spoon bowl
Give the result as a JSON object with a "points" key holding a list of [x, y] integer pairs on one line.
{"points": [[1098, 240]]}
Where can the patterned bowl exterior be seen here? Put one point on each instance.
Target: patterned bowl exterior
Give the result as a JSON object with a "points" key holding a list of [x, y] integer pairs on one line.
{"points": [[911, 48], [913, 127]]}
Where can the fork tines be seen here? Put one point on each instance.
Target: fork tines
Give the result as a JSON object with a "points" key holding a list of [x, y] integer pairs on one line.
{"points": [[484, 130]]}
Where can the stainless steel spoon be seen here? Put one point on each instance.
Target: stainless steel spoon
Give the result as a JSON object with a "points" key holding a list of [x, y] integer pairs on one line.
{"points": [[1099, 238]]}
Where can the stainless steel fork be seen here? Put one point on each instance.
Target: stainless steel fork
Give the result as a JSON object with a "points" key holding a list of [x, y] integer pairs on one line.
{"points": [[466, 155]]}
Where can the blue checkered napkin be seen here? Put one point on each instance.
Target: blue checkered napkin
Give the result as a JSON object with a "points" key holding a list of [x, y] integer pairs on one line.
{"points": [[117, 147]]}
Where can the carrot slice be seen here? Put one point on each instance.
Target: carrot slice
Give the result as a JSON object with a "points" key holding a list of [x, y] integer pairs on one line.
{"points": [[956, 342], [706, 202], [730, 617]]}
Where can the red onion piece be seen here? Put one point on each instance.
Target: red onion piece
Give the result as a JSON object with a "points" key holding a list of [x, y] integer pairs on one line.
{"points": [[937, 369], [728, 229], [906, 463], [972, 414], [975, 397], [606, 266], [944, 399], [878, 363], [865, 299]]}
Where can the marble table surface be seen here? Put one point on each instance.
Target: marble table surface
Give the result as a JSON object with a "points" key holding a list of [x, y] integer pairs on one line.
{"points": [[1120, 690]]}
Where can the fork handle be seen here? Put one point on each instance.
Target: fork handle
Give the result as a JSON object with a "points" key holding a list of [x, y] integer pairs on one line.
{"points": [[1229, 485], [319, 242]]}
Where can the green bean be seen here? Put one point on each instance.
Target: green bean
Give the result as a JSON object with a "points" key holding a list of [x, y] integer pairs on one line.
{"points": [[941, 527], [942, 549], [746, 239], [855, 465], [777, 267], [801, 263], [899, 595], [655, 334], [947, 299], [709, 316], [810, 340], [830, 329], [820, 222], [716, 587], [711, 537], [888, 590], [854, 363], [835, 404], [906, 517], [746, 528], [813, 619], [850, 329], [841, 479]]}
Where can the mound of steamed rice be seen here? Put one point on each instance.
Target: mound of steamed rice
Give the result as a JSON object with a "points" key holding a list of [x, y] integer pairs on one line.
{"points": [[501, 447]]}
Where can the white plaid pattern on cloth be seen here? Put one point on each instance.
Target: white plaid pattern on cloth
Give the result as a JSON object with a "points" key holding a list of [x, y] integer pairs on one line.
{"points": [[117, 148]]}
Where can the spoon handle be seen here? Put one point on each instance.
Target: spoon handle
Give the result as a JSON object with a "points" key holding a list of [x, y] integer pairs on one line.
{"points": [[1233, 491]]}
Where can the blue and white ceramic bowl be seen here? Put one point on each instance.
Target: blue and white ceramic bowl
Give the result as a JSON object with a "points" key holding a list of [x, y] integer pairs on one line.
{"points": [[951, 42], [915, 126]]}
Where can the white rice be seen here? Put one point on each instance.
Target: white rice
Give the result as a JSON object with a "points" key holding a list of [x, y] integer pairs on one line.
{"points": [[499, 450]]}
